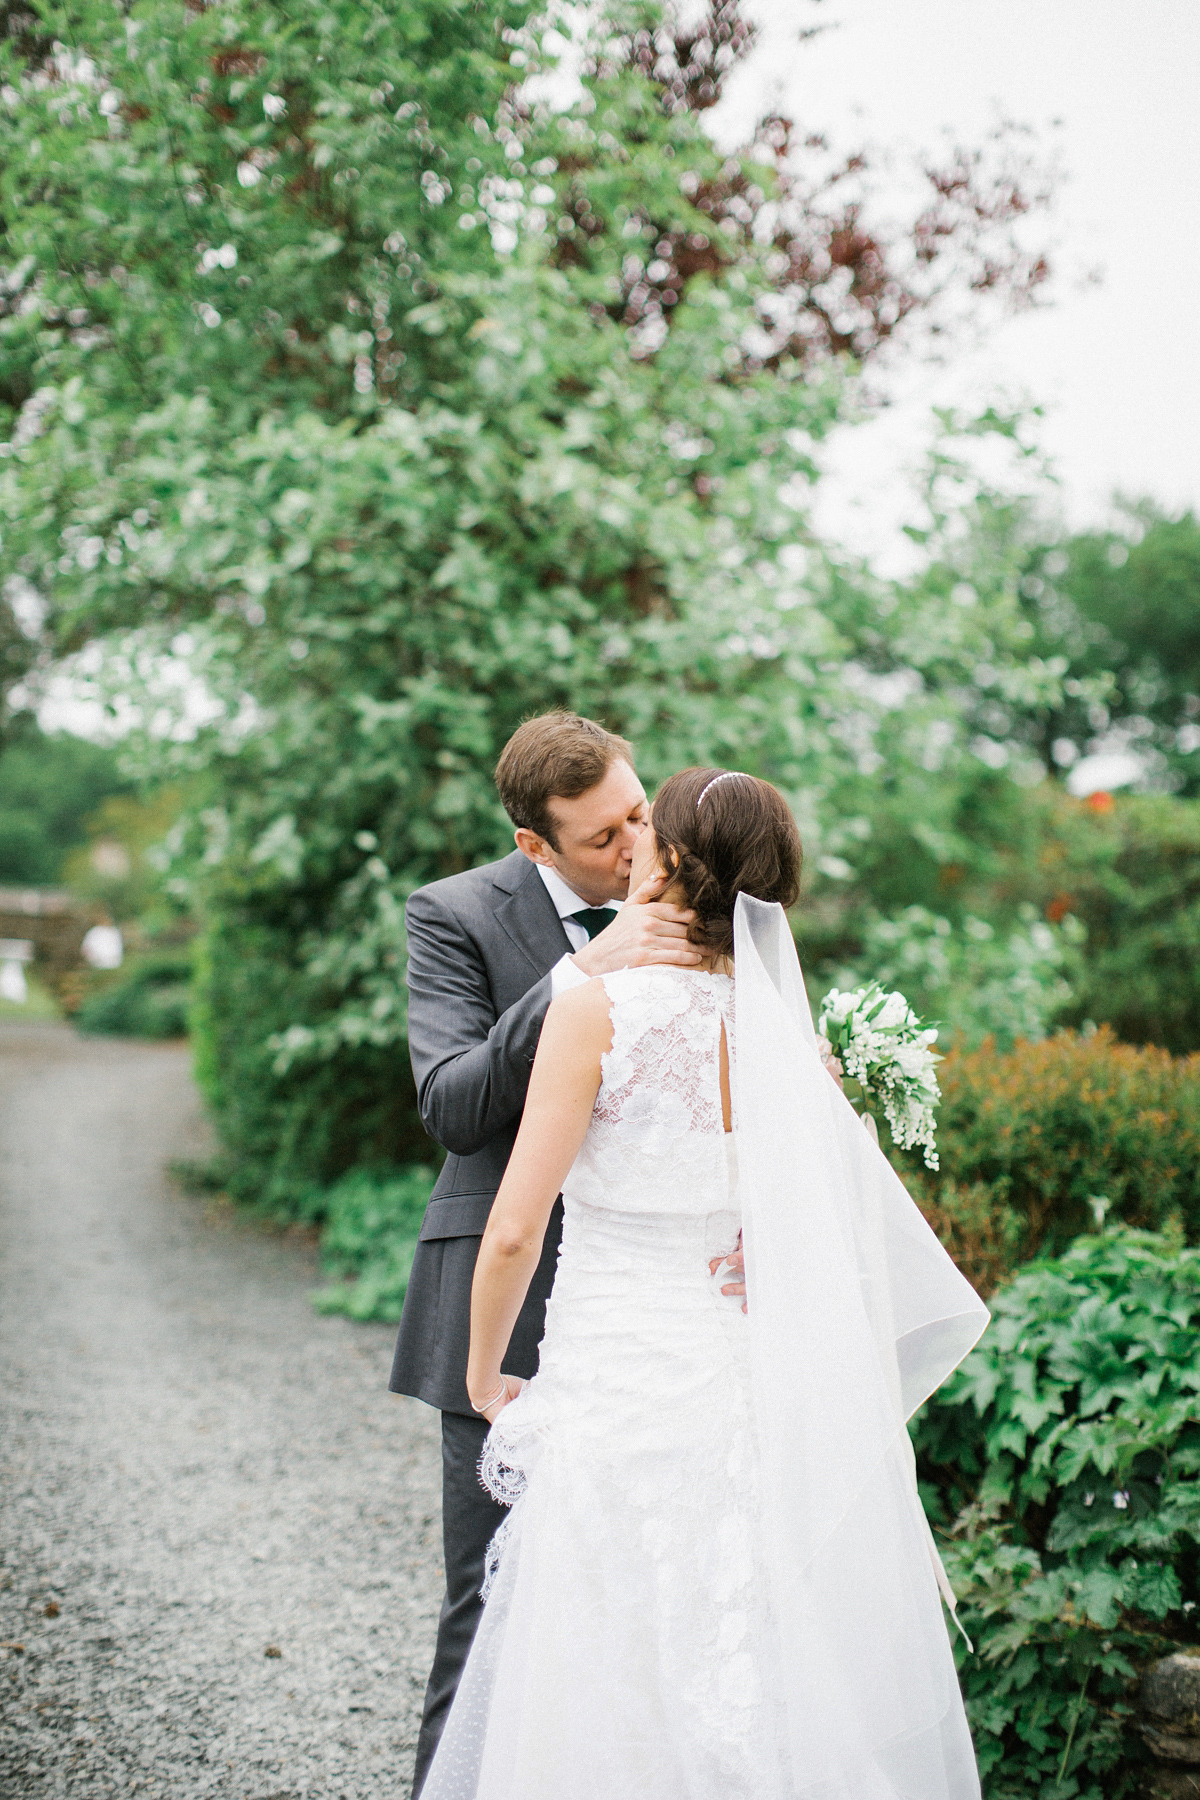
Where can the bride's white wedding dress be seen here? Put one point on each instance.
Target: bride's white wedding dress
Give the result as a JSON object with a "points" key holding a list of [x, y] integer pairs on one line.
{"points": [[636, 1642]]}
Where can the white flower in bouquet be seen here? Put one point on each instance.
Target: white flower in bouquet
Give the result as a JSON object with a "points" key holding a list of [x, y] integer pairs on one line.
{"points": [[883, 1045]]}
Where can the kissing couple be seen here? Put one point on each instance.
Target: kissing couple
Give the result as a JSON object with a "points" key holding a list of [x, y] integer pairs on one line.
{"points": [[675, 1308]]}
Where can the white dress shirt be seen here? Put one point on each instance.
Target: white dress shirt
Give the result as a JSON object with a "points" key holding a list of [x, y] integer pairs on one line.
{"points": [[565, 973]]}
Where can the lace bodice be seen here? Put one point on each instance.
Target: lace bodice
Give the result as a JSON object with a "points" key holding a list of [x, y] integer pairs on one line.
{"points": [[657, 1142]]}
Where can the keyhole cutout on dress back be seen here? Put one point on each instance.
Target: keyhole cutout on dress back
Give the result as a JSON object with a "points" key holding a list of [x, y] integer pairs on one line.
{"points": [[726, 1101]]}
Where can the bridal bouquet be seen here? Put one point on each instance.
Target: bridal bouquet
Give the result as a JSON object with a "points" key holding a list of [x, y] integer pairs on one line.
{"points": [[883, 1045]]}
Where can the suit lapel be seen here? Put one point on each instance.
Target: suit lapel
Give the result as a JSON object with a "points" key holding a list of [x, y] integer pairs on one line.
{"points": [[527, 915]]}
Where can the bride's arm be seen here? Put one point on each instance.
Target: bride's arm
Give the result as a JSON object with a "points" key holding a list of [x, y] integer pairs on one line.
{"points": [[558, 1109]]}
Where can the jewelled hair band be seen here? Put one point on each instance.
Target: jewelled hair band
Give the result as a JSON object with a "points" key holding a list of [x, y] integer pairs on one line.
{"points": [[729, 775]]}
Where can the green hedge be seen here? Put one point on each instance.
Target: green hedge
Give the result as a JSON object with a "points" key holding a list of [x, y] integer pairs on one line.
{"points": [[289, 1133], [371, 1225], [1037, 1144], [1062, 1460], [149, 999]]}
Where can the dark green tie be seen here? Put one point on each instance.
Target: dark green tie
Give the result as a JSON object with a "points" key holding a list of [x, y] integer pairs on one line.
{"points": [[594, 918]]}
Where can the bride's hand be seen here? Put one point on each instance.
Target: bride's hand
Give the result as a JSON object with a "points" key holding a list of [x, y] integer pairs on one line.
{"points": [[825, 1052], [506, 1389], [735, 1262]]}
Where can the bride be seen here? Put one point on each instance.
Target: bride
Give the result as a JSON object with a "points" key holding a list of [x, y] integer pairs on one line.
{"points": [[716, 1581]]}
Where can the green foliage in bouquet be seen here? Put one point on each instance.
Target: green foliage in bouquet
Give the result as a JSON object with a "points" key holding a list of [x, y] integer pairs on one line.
{"points": [[887, 1057], [372, 1217], [1039, 1143], [1061, 1467]]}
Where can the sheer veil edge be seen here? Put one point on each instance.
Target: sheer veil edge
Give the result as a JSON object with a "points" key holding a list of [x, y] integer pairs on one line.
{"points": [[856, 1315]]}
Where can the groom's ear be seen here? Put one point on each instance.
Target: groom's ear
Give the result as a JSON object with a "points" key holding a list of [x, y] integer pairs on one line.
{"points": [[532, 845]]}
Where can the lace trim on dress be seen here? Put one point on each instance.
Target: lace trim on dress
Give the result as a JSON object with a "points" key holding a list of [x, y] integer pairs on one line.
{"points": [[494, 1557], [503, 1480]]}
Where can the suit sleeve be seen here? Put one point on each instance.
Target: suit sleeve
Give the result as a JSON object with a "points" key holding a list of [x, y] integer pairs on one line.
{"points": [[471, 1066]]}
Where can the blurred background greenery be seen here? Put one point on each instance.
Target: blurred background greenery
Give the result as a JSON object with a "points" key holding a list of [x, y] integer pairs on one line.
{"points": [[361, 398]]}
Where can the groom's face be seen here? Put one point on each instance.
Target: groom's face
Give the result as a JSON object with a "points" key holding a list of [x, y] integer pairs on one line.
{"points": [[596, 832]]}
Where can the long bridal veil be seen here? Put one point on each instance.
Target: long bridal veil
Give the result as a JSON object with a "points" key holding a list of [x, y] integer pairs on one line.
{"points": [[856, 1315]]}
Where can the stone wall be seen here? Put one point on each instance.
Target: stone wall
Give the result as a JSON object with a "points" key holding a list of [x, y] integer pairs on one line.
{"points": [[55, 923], [1170, 1700]]}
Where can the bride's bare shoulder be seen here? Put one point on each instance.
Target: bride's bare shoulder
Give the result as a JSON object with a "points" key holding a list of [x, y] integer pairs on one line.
{"points": [[580, 1016]]}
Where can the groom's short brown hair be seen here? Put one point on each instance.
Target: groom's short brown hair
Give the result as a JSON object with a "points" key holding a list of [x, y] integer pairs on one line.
{"points": [[559, 754]]}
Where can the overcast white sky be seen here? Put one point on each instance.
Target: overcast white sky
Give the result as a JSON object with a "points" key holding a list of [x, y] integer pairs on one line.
{"points": [[1118, 365]]}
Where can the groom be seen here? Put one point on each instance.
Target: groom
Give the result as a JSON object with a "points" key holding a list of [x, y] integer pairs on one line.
{"points": [[487, 952]]}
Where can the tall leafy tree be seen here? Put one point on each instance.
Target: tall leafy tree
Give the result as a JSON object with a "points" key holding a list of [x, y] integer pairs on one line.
{"points": [[404, 407], [1122, 609]]}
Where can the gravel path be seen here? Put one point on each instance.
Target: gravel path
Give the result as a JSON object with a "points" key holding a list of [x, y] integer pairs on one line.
{"points": [[219, 1534]]}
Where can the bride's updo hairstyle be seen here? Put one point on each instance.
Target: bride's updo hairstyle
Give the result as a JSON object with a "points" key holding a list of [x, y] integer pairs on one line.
{"points": [[722, 834]]}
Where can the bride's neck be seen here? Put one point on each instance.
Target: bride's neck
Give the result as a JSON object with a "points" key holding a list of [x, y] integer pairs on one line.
{"points": [[718, 965], [713, 962]]}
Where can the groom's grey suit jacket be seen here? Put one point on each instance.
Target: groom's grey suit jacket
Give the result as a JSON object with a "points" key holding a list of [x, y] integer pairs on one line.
{"points": [[481, 946]]}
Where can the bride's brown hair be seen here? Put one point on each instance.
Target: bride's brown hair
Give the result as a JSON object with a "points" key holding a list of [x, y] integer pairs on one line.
{"points": [[722, 834]]}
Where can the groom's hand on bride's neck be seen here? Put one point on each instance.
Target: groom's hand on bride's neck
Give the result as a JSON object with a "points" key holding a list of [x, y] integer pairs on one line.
{"points": [[646, 930]]}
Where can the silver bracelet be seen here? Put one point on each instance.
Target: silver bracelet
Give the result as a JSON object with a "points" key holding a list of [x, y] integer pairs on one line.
{"points": [[499, 1394]]}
